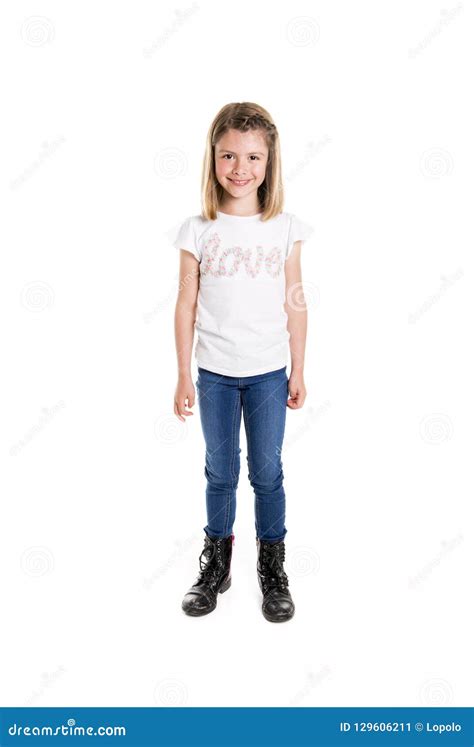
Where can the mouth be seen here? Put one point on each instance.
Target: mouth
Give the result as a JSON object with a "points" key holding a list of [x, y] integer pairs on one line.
{"points": [[240, 182]]}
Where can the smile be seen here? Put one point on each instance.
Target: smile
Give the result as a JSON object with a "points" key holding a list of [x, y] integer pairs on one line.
{"points": [[240, 183]]}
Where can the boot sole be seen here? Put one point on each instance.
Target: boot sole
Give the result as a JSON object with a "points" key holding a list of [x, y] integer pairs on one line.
{"points": [[277, 619]]}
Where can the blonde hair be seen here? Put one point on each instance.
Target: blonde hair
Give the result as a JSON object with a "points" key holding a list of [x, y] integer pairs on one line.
{"points": [[243, 117]]}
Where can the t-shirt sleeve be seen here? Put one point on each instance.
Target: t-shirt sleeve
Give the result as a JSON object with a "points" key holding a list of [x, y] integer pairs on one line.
{"points": [[186, 238], [298, 231]]}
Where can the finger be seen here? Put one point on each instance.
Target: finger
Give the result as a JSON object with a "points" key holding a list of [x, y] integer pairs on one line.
{"points": [[297, 400], [177, 412], [186, 404]]}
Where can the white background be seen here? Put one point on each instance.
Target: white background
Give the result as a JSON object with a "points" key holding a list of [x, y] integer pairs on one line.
{"points": [[106, 107]]}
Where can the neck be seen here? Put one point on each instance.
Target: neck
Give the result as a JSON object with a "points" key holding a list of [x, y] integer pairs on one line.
{"points": [[240, 207]]}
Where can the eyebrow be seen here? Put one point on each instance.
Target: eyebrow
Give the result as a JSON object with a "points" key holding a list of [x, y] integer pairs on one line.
{"points": [[253, 152]]}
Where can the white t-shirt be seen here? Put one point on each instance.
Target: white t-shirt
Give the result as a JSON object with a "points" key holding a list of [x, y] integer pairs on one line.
{"points": [[241, 321]]}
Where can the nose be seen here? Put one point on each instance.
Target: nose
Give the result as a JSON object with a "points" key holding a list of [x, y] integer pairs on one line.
{"points": [[239, 169]]}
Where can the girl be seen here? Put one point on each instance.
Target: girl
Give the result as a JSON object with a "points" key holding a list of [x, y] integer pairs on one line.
{"points": [[240, 284]]}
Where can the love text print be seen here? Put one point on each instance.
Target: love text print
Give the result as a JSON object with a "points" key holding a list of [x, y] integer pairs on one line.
{"points": [[220, 262]]}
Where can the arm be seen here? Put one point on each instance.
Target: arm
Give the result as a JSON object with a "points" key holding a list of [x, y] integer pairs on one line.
{"points": [[184, 320], [295, 307]]}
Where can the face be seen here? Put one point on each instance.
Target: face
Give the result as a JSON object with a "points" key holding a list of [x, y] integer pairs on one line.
{"points": [[241, 160]]}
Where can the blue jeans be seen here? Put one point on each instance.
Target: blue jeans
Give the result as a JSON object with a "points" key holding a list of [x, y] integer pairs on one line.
{"points": [[262, 399]]}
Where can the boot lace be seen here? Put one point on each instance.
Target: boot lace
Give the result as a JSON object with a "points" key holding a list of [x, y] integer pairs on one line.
{"points": [[272, 567], [210, 570]]}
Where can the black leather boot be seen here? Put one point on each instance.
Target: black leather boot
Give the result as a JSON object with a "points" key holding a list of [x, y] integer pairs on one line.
{"points": [[214, 576], [277, 605]]}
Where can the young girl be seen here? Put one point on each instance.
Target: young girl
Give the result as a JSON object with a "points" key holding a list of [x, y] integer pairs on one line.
{"points": [[240, 285]]}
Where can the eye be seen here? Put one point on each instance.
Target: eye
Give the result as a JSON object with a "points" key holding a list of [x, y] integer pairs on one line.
{"points": [[258, 159], [227, 154]]}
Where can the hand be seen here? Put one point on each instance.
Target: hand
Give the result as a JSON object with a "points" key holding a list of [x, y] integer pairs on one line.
{"points": [[184, 391], [297, 390]]}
